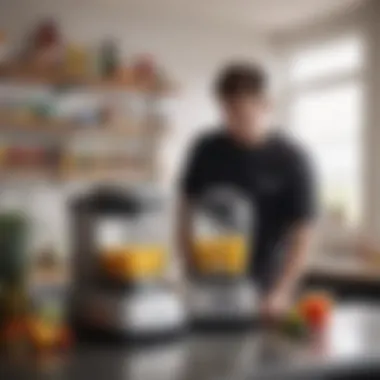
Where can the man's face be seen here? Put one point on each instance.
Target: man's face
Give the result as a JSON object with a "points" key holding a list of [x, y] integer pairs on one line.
{"points": [[246, 115]]}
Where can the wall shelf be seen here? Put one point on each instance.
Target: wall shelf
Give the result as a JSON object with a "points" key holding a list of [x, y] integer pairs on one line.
{"points": [[12, 124], [41, 77], [74, 175], [23, 125], [127, 174]]}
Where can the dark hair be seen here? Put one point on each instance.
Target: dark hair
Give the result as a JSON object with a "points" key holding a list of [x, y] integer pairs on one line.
{"points": [[241, 79]]}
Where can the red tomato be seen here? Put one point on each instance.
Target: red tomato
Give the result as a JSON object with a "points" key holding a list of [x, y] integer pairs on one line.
{"points": [[316, 310]]}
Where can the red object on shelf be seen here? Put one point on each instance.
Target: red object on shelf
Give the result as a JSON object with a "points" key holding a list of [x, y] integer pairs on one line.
{"points": [[46, 49], [47, 35], [19, 156], [145, 69]]}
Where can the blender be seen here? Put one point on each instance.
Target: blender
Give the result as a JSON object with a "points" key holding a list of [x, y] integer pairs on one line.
{"points": [[221, 292], [119, 263]]}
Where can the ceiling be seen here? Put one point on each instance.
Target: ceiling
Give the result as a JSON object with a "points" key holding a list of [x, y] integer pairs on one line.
{"points": [[259, 15], [230, 15]]}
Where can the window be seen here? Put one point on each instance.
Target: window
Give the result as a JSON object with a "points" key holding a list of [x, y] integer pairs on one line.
{"points": [[343, 55], [326, 115]]}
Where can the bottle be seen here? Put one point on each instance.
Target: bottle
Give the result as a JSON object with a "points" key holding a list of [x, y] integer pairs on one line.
{"points": [[109, 59], [3, 48]]}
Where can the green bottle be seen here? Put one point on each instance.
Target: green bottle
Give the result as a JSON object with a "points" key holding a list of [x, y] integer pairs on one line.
{"points": [[109, 59]]}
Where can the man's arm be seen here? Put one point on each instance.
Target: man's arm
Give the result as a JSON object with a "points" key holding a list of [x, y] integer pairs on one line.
{"points": [[301, 204], [298, 246]]}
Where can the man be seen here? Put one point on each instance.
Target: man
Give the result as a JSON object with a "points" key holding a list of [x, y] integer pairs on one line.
{"points": [[272, 172]]}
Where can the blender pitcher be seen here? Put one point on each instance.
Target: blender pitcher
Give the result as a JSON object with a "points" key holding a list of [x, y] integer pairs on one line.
{"points": [[221, 248]]}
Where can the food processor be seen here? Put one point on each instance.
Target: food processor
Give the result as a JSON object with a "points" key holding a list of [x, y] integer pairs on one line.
{"points": [[119, 261], [221, 293]]}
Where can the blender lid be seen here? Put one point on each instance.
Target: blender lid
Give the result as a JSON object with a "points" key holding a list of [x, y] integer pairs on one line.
{"points": [[226, 205], [116, 200]]}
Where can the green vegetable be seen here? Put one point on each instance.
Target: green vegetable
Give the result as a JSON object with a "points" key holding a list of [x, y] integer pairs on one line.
{"points": [[294, 326]]}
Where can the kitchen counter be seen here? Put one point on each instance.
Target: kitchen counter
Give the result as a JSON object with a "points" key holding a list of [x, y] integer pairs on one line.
{"points": [[346, 268], [350, 345]]}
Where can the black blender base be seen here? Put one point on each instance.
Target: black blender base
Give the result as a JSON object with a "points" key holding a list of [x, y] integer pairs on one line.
{"points": [[94, 335]]}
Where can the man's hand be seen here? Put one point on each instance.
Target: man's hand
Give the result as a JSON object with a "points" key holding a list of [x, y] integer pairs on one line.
{"points": [[278, 301], [275, 306]]}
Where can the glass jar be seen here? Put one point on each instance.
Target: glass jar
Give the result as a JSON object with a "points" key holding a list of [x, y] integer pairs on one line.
{"points": [[222, 238], [132, 244]]}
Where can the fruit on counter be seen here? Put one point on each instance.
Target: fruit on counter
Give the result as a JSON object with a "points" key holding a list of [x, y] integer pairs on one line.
{"points": [[316, 308], [37, 333], [45, 335], [294, 325], [310, 314], [42, 335]]}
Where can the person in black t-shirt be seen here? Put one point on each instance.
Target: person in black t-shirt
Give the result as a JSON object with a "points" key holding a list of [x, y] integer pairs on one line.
{"points": [[271, 171]]}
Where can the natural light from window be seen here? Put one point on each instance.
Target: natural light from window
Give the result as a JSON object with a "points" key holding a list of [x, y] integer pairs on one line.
{"points": [[333, 58], [328, 121]]}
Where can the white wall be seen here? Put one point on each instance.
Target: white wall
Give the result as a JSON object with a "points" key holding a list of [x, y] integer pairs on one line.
{"points": [[190, 53]]}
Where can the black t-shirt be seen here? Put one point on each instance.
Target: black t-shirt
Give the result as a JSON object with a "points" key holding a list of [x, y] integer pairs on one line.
{"points": [[275, 177]]}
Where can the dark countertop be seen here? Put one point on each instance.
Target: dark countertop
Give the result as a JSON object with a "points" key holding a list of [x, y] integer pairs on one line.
{"points": [[352, 343]]}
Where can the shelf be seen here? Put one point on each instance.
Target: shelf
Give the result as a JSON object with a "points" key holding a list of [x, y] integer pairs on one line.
{"points": [[16, 125], [126, 174], [21, 176], [54, 78], [28, 175], [64, 171], [26, 124]]}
